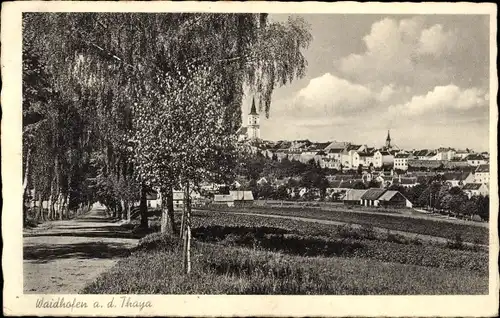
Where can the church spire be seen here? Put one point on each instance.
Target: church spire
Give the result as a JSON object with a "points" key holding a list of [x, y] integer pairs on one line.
{"points": [[388, 140], [253, 111]]}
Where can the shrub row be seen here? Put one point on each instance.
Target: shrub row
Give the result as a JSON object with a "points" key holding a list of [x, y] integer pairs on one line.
{"points": [[439, 228]]}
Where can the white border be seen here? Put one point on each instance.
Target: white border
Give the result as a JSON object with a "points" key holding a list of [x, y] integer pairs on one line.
{"points": [[15, 303]]}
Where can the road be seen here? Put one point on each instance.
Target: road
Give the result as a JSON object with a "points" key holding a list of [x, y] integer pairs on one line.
{"points": [[61, 257]]}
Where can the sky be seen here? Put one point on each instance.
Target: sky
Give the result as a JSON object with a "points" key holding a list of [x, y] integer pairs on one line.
{"points": [[424, 77]]}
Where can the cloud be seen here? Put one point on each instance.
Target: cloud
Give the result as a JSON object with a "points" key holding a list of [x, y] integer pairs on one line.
{"points": [[435, 41], [402, 52], [331, 95], [443, 100]]}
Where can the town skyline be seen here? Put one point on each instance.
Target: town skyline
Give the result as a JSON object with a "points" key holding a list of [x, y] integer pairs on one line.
{"points": [[357, 84]]}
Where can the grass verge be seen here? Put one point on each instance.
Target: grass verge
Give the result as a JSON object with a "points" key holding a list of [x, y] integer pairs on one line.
{"points": [[155, 268]]}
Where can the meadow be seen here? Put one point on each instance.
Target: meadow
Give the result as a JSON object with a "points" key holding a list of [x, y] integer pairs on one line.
{"points": [[246, 254]]}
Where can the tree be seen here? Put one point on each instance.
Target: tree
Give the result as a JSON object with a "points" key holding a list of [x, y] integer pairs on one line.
{"points": [[152, 82], [373, 184], [360, 169], [281, 193], [359, 185], [470, 208], [414, 193], [483, 207]]}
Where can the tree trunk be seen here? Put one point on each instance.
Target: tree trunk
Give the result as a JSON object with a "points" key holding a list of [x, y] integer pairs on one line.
{"points": [[67, 205], [143, 208], [25, 186], [49, 205], [59, 205], [187, 236], [123, 209], [40, 208], [167, 215], [129, 211]]}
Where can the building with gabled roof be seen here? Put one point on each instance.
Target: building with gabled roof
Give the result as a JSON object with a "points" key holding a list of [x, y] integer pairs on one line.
{"points": [[458, 179], [482, 174], [370, 197], [475, 189], [406, 182], [353, 196], [476, 159], [381, 157], [401, 161], [396, 199], [340, 145], [223, 199]]}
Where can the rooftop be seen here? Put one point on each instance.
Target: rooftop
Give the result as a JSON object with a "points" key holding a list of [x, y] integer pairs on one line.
{"points": [[253, 111], [472, 186], [483, 168], [372, 194], [354, 194]]}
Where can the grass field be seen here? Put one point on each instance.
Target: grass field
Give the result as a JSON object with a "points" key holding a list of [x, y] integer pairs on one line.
{"points": [[469, 233], [155, 269], [243, 254]]}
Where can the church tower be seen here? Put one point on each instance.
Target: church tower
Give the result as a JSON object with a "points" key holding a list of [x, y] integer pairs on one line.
{"points": [[253, 127], [388, 140]]}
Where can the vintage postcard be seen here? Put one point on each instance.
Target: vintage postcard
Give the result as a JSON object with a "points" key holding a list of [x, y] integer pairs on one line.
{"points": [[249, 159]]}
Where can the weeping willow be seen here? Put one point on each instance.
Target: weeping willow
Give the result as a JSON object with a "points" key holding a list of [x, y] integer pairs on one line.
{"points": [[104, 64]]}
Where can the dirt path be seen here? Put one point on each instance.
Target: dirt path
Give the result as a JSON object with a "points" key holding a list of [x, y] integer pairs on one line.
{"points": [[61, 257]]}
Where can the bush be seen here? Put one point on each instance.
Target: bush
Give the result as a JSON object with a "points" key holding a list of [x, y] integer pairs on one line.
{"points": [[348, 231], [159, 241], [457, 243], [368, 232], [396, 238], [30, 223]]}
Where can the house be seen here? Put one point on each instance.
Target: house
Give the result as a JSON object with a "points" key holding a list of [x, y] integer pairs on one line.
{"points": [[236, 184], [353, 196], [408, 182], [462, 154], [431, 155], [381, 157], [280, 182], [445, 153], [458, 179], [223, 199], [262, 181], [336, 145], [394, 199], [335, 154], [476, 160], [365, 158], [475, 189], [371, 196], [329, 163], [178, 198], [420, 154], [153, 200], [401, 161], [482, 174], [302, 192], [242, 198], [347, 156]]}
